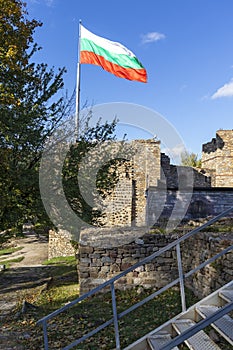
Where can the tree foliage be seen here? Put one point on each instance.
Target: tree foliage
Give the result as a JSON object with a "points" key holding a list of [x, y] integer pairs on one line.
{"points": [[96, 154], [30, 112], [27, 114], [190, 159]]}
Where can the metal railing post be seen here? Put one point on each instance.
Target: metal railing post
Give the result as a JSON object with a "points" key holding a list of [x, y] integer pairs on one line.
{"points": [[46, 343], [181, 277], [115, 317]]}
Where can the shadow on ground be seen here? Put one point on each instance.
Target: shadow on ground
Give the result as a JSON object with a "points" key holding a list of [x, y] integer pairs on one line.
{"points": [[20, 278]]}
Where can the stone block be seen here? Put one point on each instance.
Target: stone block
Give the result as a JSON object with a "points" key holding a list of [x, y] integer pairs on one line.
{"points": [[115, 268], [94, 256], [140, 268], [84, 260], [84, 275], [138, 281], [125, 266], [106, 259], [86, 250]]}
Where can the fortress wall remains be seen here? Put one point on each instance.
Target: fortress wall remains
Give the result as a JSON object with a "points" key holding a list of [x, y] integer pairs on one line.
{"points": [[203, 203], [100, 262], [126, 205], [217, 157]]}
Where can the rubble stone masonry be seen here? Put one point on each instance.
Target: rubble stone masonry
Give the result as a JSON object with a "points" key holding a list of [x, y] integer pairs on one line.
{"points": [[99, 263], [217, 158]]}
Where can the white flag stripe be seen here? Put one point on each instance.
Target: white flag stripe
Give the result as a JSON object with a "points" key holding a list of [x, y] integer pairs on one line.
{"points": [[106, 44]]}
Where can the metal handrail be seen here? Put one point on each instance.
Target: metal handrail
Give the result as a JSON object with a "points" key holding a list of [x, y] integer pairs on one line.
{"points": [[111, 282]]}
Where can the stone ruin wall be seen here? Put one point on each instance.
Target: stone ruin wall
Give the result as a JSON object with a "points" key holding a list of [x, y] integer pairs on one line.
{"points": [[126, 205], [148, 168], [175, 176], [146, 172], [217, 158], [117, 208], [133, 201], [129, 208], [60, 244], [201, 247], [98, 264], [204, 202]]}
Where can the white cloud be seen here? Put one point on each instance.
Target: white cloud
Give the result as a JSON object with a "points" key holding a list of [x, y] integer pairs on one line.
{"points": [[205, 97], [183, 87], [48, 3], [174, 153], [224, 91], [152, 37]]}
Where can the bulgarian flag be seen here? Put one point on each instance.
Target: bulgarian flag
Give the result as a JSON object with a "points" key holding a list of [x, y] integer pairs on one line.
{"points": [[111, 56]]}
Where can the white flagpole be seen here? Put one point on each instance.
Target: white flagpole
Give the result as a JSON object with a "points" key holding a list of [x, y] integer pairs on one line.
{"points": [[78, 89]]}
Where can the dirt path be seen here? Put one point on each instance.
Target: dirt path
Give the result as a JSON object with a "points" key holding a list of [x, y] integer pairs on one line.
{"points": [[17, 281], [34, 251]]}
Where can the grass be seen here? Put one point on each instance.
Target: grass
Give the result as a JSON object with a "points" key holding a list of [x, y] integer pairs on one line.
{"points": [[8, 263], [98, 309], [218, 228], [61, 260], [4, 254], [8, 251], [91, 313]]}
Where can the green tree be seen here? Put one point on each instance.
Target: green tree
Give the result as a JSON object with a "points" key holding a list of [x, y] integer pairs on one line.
{"points": [[96, 149], [190, 159], [29, 111]]}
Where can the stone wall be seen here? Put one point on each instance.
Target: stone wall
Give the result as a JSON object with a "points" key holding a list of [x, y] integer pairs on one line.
{"points": [[179, 176], [98, 264], [99, 261], [201, 247], [146, 169], [204, 202], [117, 207], [126, 205], [60, 244], [217, 158]]}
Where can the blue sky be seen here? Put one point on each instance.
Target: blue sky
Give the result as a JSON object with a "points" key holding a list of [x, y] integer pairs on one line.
{"points": [[186, 47]]}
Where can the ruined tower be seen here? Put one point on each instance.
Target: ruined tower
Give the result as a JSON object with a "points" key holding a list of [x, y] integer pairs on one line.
{"points": [[217, 159]]}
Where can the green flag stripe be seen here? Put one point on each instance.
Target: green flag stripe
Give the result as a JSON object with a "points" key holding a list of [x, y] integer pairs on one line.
{"points": [[121, 60]]}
